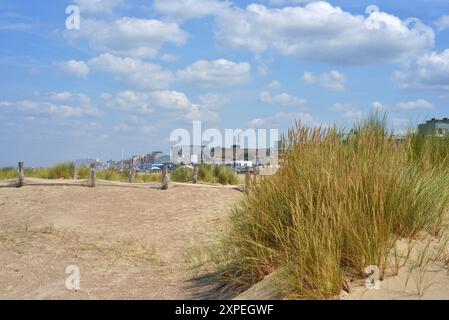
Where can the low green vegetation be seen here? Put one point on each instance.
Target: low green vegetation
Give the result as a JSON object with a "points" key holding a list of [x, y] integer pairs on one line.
{"points": [[65, 171], [182, 174], [337, 205], [218, 174], [8, 173]]}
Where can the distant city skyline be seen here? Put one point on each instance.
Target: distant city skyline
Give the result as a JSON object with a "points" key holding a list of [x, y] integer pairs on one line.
{"points": [[137, 70]]}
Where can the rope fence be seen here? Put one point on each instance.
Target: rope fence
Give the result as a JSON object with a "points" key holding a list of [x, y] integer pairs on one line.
{"points": [[23, 181]]}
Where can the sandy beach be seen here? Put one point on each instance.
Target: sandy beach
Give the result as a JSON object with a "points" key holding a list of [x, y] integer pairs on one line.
{"points": [[128, 243]]}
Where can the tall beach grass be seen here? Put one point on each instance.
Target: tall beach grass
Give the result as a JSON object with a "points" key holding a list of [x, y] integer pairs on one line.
{"points": [[336, 206]]}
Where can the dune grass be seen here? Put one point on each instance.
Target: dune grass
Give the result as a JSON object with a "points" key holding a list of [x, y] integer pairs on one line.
{"points": [[65, 171], [218, 174], [8, 173], [336, 206]]}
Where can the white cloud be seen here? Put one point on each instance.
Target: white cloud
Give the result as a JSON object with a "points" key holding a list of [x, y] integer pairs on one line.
{"points": [[63, 105], [418, 104], [190, 9], [322, 32], [443, 23], [202, 113], [129, 36], [176, 105], [147, 102], [97, 6], [128, 101], [274, 85], [218, 73], [281, 120], [263, 70], [288, 2], [72, 67], [378, 106], [122, 128], [332, 80], [167, 57], [170, 100], [282, 99], [213, 100], [148, 129], [5, 104], [134, 72], [347, 111], [430, 71]]}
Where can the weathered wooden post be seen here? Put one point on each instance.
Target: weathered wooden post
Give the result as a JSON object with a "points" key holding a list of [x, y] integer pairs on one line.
{"points": [[132, 175], [254, 173], [20, 175], [247, 179], [164, 177], [195, 173], [93, 175], [75, 174]]}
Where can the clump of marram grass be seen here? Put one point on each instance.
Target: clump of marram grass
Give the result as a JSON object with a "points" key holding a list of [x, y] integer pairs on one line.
{"points": [[61, 171], [182, 174], [336, 206], [219, 174]]}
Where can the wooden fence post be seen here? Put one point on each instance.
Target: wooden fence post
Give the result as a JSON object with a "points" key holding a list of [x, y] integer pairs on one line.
{"points": [[93, 175], [195, 173], [164, 178], [75, 174], [20, 175], [132, 175], [247, 179], [255, 173]]}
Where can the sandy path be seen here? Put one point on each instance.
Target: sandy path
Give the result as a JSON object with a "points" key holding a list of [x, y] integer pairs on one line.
{"points": [[45, 229]]}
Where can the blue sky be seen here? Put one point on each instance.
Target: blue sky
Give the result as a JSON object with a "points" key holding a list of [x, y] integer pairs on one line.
{"points": [[136, 70]]}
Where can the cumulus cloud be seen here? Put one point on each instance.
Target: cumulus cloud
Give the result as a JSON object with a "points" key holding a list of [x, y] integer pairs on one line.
{"points": [[162, 102], [288, 2], [147, 102], [418, 104], [72, 67], [167, 57], [332, 80], [201, 113], [213, 100], [378, 106], [191, 9], [324, 33], [281, 120], [274, 85], [282, 99], [129, 36], [134, 72], [443, 23], [97, 6], [61, 105], [430, 71], [218, 73]]}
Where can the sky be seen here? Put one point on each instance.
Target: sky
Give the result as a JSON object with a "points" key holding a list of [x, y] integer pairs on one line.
{"points": [[136, 70]]}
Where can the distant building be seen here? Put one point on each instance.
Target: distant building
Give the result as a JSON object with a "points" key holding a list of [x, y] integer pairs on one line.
{"points": [[218, 155], [438, 127]]}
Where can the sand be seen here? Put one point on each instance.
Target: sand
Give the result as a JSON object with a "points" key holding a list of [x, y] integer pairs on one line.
{"points": [[134, 243], [129, 243]]}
